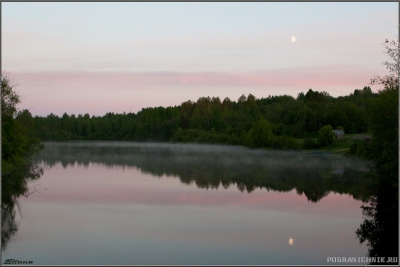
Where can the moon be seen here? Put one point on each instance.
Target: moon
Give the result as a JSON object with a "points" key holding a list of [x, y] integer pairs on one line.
{"points": [[293, 39]]}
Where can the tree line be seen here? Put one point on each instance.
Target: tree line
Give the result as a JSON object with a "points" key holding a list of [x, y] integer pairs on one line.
{"points": [[275, 121]]}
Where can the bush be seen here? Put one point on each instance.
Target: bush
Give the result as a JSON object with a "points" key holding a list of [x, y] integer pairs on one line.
{"points": [[259, 134], [326, 136], [353, 148], [293, 143], [284, 142], [310, 143], [178, 136]]}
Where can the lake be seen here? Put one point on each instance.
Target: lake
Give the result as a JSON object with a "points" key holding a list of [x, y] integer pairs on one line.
{"points": [[100, 203]]}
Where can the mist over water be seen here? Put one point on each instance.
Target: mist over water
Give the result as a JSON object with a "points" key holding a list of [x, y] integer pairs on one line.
{"points": [[215, 166]]}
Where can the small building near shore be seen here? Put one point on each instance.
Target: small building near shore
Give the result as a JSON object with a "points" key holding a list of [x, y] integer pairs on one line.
{"points": [[339, 134]]}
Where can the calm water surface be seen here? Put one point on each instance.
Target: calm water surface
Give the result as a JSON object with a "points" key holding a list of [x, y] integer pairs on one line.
{"points": [[135, 203]]}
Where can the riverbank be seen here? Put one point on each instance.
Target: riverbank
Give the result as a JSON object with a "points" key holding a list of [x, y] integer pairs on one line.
{"points": [[349, 144], [339, 146]]}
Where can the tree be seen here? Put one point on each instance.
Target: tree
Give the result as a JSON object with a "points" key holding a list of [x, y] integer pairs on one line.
{"points": [[380, 228], [384, 111], [259, 134], [391, 80], [17, 146], [11, 138], [384, 118], [9, 98], [17, 140], [326, 136]]}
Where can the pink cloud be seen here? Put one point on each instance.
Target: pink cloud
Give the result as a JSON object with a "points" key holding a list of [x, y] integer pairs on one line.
{"points": [[101, 92], [294, 77]]}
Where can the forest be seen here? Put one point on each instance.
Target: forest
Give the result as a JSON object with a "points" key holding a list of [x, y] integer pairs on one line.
{"points": [[276, 121]]}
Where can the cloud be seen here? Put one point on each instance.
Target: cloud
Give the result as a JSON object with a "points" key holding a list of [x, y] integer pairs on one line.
{"points": [[335, 75], [101, 92]]}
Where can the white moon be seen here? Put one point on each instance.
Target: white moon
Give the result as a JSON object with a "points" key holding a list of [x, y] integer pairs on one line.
{"points": [[293, 38]]}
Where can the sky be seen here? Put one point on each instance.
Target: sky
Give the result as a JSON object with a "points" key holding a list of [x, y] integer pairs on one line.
{"points": [[95, 58]]}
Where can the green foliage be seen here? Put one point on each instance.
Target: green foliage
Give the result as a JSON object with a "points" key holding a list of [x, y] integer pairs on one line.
{"points": [[18, 146], [380, 227], [353, 148], [360, 148], [17, 130], [384, 117], [207, 137], [246, 121], [310, 143], [259, 135], [284, 142], [326, 136], [9, 98]]}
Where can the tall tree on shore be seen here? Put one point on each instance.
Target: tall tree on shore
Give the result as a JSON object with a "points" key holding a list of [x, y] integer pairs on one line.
{"points": [[380, 228], [384, 119], [17, 147], [17, 141]]}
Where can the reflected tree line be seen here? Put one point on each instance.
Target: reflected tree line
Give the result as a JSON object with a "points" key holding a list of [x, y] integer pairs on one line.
{"points": [[208, 167], [12, 188], [315, 176], [380, 227]]}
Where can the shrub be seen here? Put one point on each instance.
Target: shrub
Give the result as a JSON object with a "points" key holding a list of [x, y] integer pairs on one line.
{"points": [[259, 134], [284, 142], [310, 143], [353, 148], [326, 136]]}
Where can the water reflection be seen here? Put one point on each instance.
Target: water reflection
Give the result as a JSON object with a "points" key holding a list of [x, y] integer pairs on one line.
{"points": [[12, 187], [381, 225], [106, 206], [212, 167]]}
